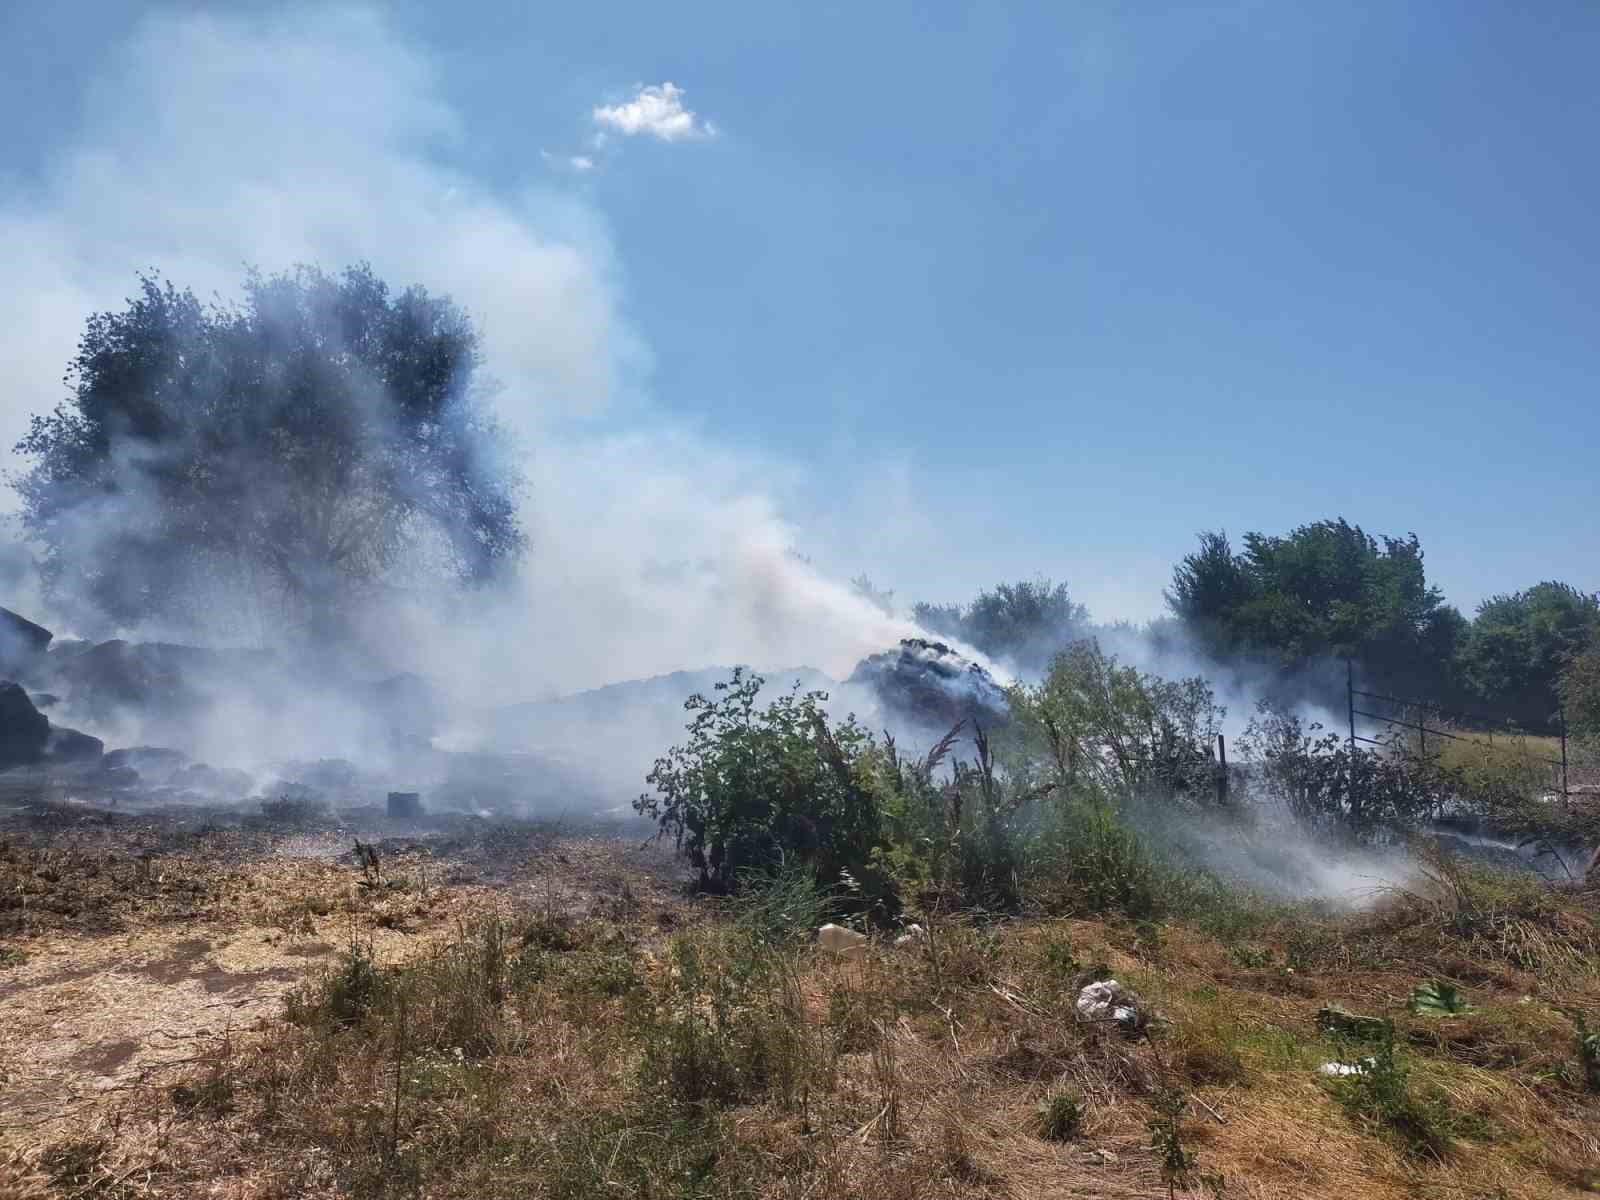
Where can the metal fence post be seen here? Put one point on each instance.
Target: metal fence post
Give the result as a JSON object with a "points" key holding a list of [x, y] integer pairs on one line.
{"points": [[1350, 701], [1561, 715]]}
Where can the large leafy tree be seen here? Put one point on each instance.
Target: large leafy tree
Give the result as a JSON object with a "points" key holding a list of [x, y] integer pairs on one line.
{"points": [[1580, 696], [1327, 589], [1026, 623], [1518, 645], [301, 444]]}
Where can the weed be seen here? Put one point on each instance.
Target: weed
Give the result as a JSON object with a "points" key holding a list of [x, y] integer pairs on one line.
{"points": [[781, 906], [1060, 1115], [345, 997], [211, 1095], [886, 1074], [76, 1166], [1333, 1019], [1108, 864], [548, 933], [1059, 962], [664, 1151], [955, 1155], [730, 1024], [1208, 1054], [1252, 958], [852, 1020], [1150, 941], [1438, 998], [295, 809], [1381, 1095], [1305, 947], [961, 953], [1174, 1159], [1588, 1053], [608, 973]]}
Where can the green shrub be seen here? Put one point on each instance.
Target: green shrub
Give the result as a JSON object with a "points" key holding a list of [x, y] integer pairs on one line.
{"points": [[1173, 1158], [1107, 865], [753, 789], [1060, 1115], [346, 996]]}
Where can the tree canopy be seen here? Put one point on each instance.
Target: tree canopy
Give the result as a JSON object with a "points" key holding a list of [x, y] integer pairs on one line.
{"points": [[298, 444], [1026, 623], [1324, 589], [1519, 644]]}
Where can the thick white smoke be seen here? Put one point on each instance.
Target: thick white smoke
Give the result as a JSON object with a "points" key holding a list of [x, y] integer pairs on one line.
{"points": [[320, 136]]}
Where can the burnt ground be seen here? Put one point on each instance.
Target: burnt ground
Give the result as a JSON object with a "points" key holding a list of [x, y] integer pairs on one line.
{"points": [[132, 940]]}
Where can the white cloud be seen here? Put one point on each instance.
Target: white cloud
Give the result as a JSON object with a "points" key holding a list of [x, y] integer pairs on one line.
{"points": [[657, 110], [573, 162]]}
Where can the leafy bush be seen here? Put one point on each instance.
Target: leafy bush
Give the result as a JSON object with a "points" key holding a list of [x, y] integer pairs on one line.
{"points": [[1042, 815], [1095, 729], [753, 789], [1365, 795]]}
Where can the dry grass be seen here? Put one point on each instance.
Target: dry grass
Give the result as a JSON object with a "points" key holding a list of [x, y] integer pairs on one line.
{"points": [[554, 1023], [1507, 750]]}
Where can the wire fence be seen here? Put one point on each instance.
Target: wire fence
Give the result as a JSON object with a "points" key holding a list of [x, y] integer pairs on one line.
{"points": [[1484, 736]]}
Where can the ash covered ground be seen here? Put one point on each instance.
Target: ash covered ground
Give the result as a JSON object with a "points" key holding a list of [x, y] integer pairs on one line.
{"points": [[142, 727]]}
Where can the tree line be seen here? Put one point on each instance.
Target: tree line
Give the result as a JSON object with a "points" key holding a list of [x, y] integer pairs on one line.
{"points": [[1324, 592]]}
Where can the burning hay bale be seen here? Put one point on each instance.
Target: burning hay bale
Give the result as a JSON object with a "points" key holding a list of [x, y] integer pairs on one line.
{"points": [[405, 806], [930, 685], [68, 745], [24, 730], [28, 737], [156, 764], [22, 643]]}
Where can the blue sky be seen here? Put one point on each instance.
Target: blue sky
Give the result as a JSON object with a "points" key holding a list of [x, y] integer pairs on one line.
{"points": [[985, 292]]}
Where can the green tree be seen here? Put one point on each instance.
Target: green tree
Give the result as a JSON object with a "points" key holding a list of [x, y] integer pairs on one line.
{"points": [[300, 443], [1580, 694], [1208, 587], [1517, 647], [1025, 623], [1327, 589]]}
